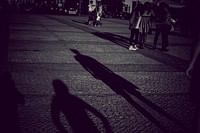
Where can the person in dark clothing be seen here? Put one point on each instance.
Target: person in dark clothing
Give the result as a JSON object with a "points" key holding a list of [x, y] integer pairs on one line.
{"points": [[193, 70], [10, 97], [162, 17], [134, 26], [145, 24], [92, 13], [4, 32]]}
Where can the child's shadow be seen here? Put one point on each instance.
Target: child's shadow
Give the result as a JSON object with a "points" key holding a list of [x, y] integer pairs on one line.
{"points": [[74, 110], [10, 97]]}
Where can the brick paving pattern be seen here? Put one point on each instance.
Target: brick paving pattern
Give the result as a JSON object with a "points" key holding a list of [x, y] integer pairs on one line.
{"points": [[40, 51]]}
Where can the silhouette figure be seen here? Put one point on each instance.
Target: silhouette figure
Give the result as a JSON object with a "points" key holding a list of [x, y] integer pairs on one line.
{"points": [[10, 97], [74, 110], [122, 87]]}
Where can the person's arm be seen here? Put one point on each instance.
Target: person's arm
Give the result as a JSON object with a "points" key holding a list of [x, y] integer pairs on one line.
{"points": [[131, 20], [193, 58], [100, 116], [55, 115]]}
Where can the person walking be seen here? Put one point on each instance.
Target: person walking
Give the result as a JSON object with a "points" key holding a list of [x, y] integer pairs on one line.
{"points": [[163, 25], [145, 24], [91, 8], [98, 15], [134, 26]]}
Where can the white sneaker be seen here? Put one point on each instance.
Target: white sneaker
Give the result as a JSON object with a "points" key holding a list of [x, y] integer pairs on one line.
{"points": [[131, 47], [135, 47]]}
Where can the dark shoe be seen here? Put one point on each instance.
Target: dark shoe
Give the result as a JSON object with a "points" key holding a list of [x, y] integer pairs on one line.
{"points": [[164, 49], [141, 47], [153, 48]]}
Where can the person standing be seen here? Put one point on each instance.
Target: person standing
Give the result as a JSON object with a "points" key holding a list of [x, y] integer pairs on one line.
{"points": [[145, 24], [163, 27], [193, 69], [91, 8], [134, 26], [98, 15]]}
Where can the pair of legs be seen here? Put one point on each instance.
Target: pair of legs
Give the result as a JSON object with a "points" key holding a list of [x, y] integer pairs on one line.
{"points": [[91, 19], [142, 40], [134, 33], [97, 23], [164, 31]]}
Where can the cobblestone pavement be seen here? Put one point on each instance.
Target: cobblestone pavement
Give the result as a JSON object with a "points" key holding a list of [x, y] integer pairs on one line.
{"points": [[143, 91]]}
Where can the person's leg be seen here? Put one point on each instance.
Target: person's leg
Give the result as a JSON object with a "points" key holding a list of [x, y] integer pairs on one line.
{"points": [[136, 36], [90, 18], [140, 40], [165, 41], [143, 40], [157, 33], [132, 36], [133, 33]]}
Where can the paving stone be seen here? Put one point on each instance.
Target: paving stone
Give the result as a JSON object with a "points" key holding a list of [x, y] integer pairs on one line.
{"points": [[40, 52]]}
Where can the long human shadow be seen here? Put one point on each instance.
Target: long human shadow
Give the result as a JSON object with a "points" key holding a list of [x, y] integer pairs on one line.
{"points": [[74, 110], [117, 39], [10, 97], [122, 87]]}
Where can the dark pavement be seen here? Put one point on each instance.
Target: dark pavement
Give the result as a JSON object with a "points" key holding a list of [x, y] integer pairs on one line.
{"points": [[111, 89]]}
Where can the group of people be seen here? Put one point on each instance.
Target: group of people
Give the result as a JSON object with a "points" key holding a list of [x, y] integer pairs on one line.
{"points": [[141, 20], [95, 13]]}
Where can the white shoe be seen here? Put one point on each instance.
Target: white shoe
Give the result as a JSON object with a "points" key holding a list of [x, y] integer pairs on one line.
{"points": [[133, 47]]}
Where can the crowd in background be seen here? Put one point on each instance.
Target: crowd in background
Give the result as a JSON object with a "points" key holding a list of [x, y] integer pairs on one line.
{"points": [[142, 17]]}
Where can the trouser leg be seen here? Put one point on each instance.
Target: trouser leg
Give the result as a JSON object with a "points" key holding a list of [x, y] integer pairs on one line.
{"points": [[132, 36], [156, 36], [136, 36], [165, 41]]}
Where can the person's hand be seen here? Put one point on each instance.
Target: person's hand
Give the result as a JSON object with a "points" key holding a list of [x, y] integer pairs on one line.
{"points": [[188, 72]]}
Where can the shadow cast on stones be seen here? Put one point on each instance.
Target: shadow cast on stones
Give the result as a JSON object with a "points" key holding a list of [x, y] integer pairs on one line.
{"points": [[74, 110], [117, 39], [80, 22], [122, 87]]}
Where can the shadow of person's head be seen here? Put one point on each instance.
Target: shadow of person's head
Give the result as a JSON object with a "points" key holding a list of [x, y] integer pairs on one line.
{"points": [[75, 51], [60, 88]]}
